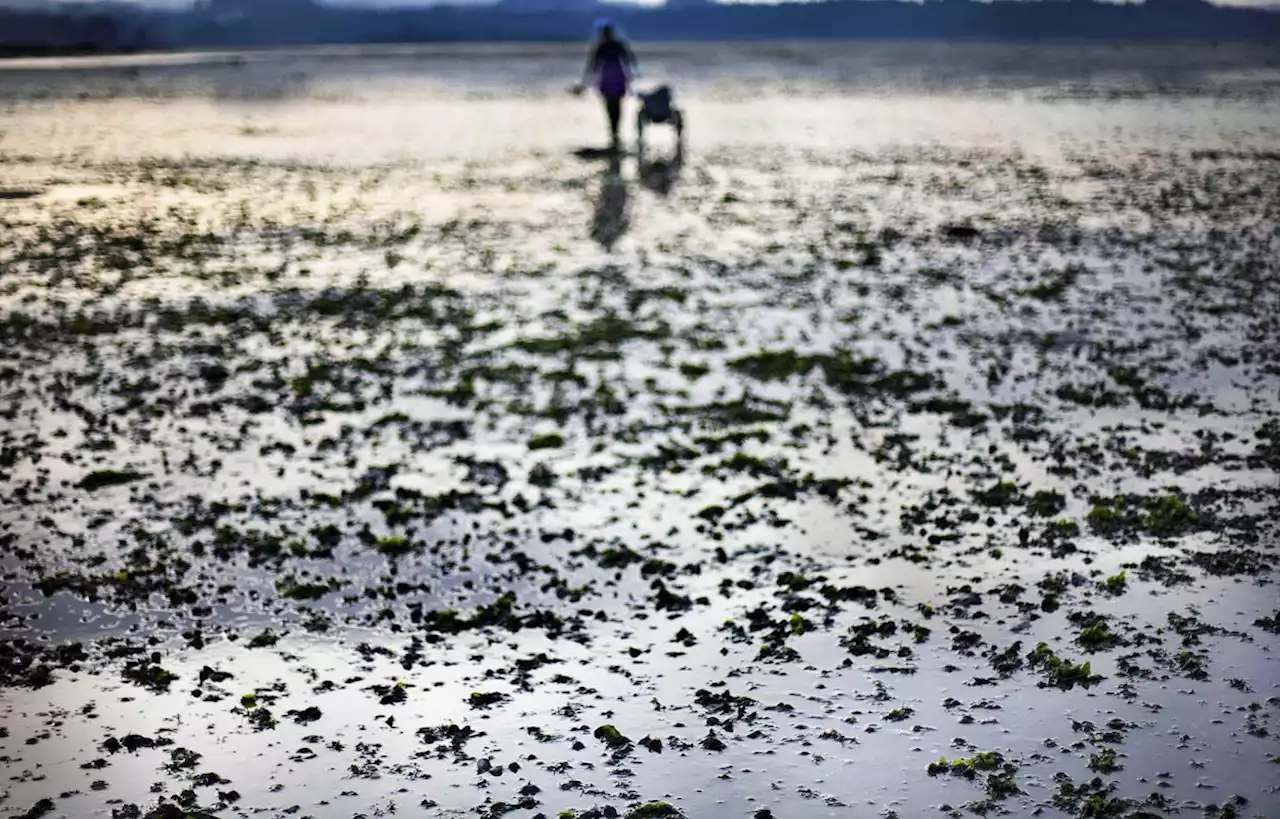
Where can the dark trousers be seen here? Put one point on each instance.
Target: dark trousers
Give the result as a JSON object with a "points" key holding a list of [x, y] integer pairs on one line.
{"points": [[613, 106]]}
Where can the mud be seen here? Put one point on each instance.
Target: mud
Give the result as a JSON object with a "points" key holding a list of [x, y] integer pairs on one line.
{"points": [[353, 467]]}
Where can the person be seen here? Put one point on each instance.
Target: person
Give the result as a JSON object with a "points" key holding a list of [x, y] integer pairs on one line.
{"points": [[612, 63]]}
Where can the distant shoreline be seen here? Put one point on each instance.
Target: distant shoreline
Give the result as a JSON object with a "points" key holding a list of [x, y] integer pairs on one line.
{"points": [[14, 51], [89, 30], [11, 51]]}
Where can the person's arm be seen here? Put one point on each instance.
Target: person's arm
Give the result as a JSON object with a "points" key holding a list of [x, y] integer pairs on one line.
{"points": [[630, 61], [593, 62]]}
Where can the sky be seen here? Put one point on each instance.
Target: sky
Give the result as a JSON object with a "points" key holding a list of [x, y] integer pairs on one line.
{"points": [[403, 3]]}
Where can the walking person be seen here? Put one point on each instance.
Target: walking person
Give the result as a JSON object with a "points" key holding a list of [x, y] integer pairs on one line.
{"points": [[612, 64]]}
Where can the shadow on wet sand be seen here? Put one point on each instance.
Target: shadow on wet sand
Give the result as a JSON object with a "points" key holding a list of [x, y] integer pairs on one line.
{"points": [[659, 175], [611, 217]]}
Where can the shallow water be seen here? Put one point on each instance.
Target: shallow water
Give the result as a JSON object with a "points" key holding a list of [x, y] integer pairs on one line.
{"points": [[914, 357]]}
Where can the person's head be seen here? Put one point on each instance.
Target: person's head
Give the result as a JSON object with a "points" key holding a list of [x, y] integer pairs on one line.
{"points": [[605, 29]]}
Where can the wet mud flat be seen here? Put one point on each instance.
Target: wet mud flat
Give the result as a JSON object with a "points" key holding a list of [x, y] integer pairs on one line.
{"points": [[926, 469]]}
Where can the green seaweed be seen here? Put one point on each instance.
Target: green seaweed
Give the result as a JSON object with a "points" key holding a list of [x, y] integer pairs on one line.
{"points": [[967, 767], [105, 478], [1104, 762], [265, 639], [1116, 583], [486, 699], [396, 545], [293, 590], [612, 737], [1061, 673], [551, 440], [654, 810], [1096, 635]]}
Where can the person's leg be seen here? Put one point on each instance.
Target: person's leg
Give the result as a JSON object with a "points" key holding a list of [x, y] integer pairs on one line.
{"points": [[613, 105]]}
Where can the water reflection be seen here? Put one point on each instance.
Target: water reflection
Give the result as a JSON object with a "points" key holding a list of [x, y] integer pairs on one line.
{"points": [[660, 174], [243, 82], [611, 217]]}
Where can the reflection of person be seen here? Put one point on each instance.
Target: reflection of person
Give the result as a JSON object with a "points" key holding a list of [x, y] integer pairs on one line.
{"points": [[611, 217], [612, 63]]}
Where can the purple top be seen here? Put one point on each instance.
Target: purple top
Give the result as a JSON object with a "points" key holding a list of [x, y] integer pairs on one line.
{"points": [[611, 61]]}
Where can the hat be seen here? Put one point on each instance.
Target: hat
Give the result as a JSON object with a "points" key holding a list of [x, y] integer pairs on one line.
{"points": [[603, 23]]}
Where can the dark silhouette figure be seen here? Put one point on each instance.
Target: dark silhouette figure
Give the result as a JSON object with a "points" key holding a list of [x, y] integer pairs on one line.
{"points": [[612, 64], [611, 218]]}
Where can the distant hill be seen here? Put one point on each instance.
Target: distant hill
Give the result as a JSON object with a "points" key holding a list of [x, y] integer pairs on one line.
{"points": [[108, 27]]}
